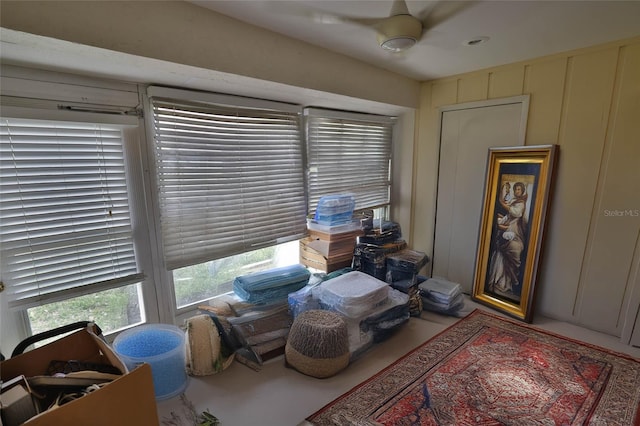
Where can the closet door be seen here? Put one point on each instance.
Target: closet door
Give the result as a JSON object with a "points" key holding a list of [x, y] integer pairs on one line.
{"points": [[467, 132]]}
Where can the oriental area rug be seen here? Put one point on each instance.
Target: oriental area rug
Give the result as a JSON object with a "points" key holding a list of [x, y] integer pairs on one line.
{"points": [[486, 370]]}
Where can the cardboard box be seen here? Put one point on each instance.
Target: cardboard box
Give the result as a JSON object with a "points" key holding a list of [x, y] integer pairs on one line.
{"points": [[333, 245], [16, 402], [127, 400], [317, 260], [337, 237]]}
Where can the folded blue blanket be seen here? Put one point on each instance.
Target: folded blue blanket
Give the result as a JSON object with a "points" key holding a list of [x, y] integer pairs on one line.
{"points": [[271, 285]]}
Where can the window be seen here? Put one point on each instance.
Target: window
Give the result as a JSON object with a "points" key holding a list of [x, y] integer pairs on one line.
{"points": [[64, 212], [112, 310], [349, 153], [86, 234], [230, 181]]}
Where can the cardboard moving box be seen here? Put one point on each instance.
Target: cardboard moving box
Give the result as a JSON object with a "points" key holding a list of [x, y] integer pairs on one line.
{"points": [[127, 400], [317, 260]]}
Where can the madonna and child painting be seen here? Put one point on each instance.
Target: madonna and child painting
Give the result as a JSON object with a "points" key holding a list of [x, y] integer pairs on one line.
{"points": [[516, 198]]}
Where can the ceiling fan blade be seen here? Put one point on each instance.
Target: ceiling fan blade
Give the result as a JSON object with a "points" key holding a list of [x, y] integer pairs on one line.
{"points": [[307, 11], [440, 11], [292, 8], [296, 9], [368, 22]]}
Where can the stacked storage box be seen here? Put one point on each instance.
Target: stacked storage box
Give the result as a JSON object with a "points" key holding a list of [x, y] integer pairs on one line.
{"points": [[353, 294], [263, 331], [372, 249], [385, 319], [402, 274], [442, 296], [304, 299], [372, 259], [371, 308], [332, 234], [381, 232], [329, 248]]}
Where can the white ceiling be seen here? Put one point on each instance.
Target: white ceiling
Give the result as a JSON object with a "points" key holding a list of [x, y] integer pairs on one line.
{"points": [[516, 29]]}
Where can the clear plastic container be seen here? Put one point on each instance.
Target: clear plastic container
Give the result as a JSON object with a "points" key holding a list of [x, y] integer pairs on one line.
{"points": [[335, 209], [163, 347], [353, 294], [350, 226]]}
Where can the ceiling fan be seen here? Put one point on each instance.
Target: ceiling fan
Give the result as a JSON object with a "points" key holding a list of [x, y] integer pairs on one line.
{"points": [[401, 30]]}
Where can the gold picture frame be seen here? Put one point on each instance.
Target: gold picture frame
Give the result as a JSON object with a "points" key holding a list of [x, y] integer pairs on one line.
{"points": [[516, 198]]}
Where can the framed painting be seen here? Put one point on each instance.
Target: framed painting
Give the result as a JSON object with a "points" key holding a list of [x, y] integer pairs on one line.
{"points": [[516, 198]]}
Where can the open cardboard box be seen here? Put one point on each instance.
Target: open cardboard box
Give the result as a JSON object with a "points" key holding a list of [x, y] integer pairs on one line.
{"points": [[127, 400]]}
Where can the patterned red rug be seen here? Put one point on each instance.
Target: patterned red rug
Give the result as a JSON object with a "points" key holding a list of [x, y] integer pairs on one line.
{"points": [[486, 370]]}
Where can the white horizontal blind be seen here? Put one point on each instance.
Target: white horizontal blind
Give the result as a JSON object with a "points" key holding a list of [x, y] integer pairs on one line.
{"points": [[349, 153], [230, 179], [64, 214]]}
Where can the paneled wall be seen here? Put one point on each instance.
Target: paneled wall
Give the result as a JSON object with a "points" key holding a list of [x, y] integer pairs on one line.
{"points": [[587, 102]]}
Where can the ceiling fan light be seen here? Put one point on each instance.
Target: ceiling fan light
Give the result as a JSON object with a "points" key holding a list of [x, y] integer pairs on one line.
{"points": [[399, 32], [398, 44]]}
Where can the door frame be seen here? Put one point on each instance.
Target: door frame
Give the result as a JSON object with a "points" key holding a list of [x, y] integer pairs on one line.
{"points": [[520, 99]]}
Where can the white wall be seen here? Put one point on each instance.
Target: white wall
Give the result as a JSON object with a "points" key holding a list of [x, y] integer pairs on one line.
{"points": [[183, 33]]}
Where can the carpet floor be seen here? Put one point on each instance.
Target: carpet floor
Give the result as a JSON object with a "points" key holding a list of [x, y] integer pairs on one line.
{"points": [[488, 370]]}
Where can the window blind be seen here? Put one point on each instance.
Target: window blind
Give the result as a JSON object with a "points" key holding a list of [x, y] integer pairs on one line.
{"points": [[348, 153], [230, 179], [64, 214]]}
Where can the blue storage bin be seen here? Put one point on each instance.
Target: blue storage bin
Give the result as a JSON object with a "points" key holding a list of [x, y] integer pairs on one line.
{"points": [[163, 347]]}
